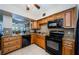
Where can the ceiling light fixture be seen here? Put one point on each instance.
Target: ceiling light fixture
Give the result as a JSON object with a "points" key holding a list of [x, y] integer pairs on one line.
{"points": [[28, 6], [37, 6], [44, 14]]}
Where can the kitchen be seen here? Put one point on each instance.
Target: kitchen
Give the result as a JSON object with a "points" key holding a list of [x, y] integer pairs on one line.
{"points": [[55, 33]]}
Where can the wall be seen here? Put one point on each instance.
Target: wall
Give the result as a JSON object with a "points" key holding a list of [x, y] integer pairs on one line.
{"points": [[1, 19], [14, 8], [7, 21], [44, 29], [7, 25]]}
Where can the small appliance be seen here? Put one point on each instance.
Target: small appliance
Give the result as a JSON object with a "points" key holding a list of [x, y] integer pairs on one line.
{"points": [[58, 23]]}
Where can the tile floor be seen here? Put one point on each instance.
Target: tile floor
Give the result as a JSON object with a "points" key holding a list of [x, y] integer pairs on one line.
{"points": [[29, 50]]}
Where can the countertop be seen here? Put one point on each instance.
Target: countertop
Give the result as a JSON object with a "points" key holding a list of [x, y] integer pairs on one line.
{"points": [[69, 38], [42, 34], [11, 36]]}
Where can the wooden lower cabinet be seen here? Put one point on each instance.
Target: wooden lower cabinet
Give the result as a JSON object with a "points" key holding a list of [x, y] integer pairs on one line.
{"points": [[9, 49], [67, 50], [32, 38], [38, 39], [10, 43], [41, 42], [68, 47]]}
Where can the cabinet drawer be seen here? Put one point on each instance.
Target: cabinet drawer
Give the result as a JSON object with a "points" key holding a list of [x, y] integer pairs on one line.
{"points": [[9, 49], [18, 42], [71, 46], [18, 46], [67, 50], [6, 39], [68, 42], [6, 50], [68, 47], [12, 43]]}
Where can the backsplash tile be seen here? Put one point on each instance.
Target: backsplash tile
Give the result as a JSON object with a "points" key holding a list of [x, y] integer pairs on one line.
{"points": [[69, 33]]}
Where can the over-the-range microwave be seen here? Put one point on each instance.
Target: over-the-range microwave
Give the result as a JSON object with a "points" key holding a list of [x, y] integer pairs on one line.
{"points": [[58, 23]]}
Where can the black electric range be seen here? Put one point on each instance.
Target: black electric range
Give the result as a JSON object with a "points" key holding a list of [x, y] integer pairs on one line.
{"points": [[54, 42]]}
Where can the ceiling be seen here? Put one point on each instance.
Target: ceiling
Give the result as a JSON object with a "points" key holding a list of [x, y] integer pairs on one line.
{"points": [[34, 13], [49, 9]]}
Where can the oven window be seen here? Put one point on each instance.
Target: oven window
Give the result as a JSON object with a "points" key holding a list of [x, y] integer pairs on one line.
{"points": [[53, 45]]}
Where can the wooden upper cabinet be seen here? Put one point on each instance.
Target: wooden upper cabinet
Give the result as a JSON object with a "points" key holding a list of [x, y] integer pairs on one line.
{"points": [[59, 15], [38, 25], [46, 20], [74, 18], [52, 18], [43, 21], [70, 18], [35, 25]]}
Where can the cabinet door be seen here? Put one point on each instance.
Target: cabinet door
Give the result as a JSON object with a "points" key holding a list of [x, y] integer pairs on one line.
{"points": [[34, 25], [52, 18], [45, 21], [42, 43], [68, 19], [59, 15], [67, 50], [37, 41], [68, 47], [32, 39], [38, 25], [5, 50], [74, 17], [39, 21]]}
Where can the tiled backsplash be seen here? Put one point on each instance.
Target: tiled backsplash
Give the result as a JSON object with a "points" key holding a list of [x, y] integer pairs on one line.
{"points": [[69, 33], [7, 31]]}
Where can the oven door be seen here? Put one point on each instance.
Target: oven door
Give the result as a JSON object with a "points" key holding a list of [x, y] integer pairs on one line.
{"points": [[53, 47]]}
